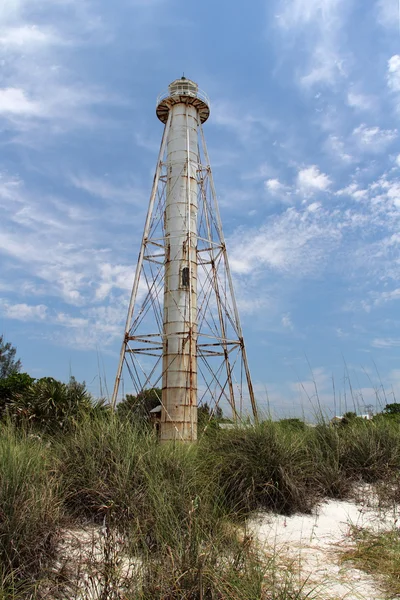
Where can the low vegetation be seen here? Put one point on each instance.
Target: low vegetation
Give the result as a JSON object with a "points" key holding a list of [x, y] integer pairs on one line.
{"points": [[379, 555], [177, 511], [171, 519]]}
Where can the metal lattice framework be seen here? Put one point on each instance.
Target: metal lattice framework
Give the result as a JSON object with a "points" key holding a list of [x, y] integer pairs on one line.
{"points": [[223, 373]]}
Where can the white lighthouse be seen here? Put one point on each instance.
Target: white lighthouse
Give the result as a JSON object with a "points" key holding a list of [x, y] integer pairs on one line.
{"points": [[183, 266]]}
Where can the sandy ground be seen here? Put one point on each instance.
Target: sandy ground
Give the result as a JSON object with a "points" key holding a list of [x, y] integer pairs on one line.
{"points": [[313, 544], [310, 544], [87, 557]]}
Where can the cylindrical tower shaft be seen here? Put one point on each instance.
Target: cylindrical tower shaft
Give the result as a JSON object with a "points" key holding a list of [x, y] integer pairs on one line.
{"points": [[185, 108], [179, 384]]}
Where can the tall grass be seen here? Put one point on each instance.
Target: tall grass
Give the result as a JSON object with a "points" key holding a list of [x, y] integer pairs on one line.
{"points": [[288, 469], [177, 510], [370, 449], [29, 504], [169, 510], [265, 467]]}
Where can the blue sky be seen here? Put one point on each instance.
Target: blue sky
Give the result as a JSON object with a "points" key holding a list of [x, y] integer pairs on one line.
{"points": [[304, 143]]}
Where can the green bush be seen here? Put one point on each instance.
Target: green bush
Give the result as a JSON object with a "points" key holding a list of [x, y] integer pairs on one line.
{"points": [[51, 406], [12, 387], [137, 408]]}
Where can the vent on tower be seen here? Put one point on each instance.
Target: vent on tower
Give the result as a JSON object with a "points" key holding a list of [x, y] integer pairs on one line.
{"points": [[185, 277]]}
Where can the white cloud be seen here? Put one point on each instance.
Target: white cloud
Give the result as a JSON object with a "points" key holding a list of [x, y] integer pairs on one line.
{"points": [[24, 312], [38, 81], [9, 188], [249, 303], [326, 67], [103, 188], [274, 185], [340, 333], [14, 101], [360, 101], [336, 146], [69, 321], [373, 139], [393, 77], [287, 321], [353, 191], [348, 190], [389, 13], [246, 125], [62, 249], [114, 276], [28, 36], [302, 12], [276, 188], [385, 343], [321, 23], [311, 180], [295, 242], [385, 297]]}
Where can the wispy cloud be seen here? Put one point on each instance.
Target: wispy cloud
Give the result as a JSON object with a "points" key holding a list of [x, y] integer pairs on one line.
{"points": [[321, 23], [29, 37], [107, 190], [386, 343], [23, 312], [338, 148], [360, 101], [393, 77], [373, 139], [241, 122], [389, 13], [287, 322], [37, 86], [296, 242]]}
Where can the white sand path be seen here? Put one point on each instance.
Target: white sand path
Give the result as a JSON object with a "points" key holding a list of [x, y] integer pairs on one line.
{"points": [[314, 542]]}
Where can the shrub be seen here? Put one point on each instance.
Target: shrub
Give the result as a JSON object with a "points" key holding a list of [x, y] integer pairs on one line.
{"points": [[137, 408], [11, 387], [49, 405]]}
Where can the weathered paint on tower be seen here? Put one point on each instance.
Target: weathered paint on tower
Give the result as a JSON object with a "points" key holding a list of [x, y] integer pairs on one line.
{"points": [[179, 380], [182, 328]]}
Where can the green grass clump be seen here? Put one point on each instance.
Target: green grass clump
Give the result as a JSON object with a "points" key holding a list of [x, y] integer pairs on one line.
{"points": [[262, 467], [29, 504], [370, 449], [378, 554], [100, 468]]}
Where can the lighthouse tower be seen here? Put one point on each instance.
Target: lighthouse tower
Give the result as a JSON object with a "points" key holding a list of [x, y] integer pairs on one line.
{"points": [[182, 332]]}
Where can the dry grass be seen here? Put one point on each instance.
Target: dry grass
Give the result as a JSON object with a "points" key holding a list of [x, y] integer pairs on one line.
{"points": [[379, 555]]}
